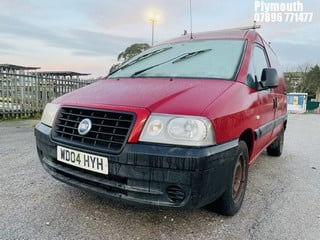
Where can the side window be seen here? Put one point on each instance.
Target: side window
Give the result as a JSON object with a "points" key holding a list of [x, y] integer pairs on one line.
{"points": [[250, 76], [257, 64]]}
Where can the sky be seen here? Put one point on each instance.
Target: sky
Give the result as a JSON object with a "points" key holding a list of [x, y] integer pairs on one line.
{"points": [[87, 35]]}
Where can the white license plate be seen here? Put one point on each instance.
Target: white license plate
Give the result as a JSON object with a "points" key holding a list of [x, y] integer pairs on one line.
{"points": [[83, 160]]}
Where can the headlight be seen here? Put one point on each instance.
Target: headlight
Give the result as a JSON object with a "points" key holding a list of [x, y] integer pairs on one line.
{"points": [[49, 113], [178, 130]]}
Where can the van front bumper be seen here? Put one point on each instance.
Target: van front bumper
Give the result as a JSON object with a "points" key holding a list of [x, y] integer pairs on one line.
{"points": [[148, 174]]}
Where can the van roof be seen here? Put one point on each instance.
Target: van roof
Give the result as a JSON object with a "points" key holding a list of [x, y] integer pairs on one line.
{"points": [[219, 34]]}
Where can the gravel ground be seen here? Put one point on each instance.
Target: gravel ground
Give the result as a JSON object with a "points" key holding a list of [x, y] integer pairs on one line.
{"points": [[282, 199]]}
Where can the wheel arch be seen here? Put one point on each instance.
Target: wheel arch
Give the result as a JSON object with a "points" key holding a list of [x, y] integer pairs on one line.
{"points": [[248, 137], [285, 124]]}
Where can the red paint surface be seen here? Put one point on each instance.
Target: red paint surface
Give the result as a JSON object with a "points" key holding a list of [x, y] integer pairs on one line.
{"points": [[231, 106]]}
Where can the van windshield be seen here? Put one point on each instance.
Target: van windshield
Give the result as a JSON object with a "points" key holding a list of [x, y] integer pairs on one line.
{"points": [[218, 59]]}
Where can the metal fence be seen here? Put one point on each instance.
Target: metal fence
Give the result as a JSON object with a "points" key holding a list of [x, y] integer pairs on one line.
{"points": [[25, 95]]}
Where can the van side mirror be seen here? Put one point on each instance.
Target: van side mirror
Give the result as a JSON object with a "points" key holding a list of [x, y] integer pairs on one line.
{"points": [[269, 78]]}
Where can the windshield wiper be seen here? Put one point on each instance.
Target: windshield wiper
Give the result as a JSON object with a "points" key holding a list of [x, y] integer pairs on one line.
{"points": [[147, 55], [148, 68], [150, 54], [190, 55], [173, 60], [156, 65]]}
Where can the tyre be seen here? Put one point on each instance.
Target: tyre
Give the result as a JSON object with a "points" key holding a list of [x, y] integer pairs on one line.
{"points": [[275, 148], [231, 200]]}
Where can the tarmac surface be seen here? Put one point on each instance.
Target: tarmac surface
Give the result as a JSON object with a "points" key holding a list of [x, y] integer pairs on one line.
{"points": [[282, 199]]}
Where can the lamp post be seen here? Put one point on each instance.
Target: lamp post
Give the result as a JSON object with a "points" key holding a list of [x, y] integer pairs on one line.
{"points": [[153, 18]]}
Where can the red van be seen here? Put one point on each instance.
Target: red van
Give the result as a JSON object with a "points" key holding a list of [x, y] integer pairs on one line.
{"points": [[176, 126]]}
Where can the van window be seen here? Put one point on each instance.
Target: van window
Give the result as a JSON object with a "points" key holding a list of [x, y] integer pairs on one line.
{"points": [[257, 64], [274, 62], [218, 59]]}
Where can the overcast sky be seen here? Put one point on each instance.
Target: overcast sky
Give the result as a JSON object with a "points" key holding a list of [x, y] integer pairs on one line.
{"points": [[87, 35]]}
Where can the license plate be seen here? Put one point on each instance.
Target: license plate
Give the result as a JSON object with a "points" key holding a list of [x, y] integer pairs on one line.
{"points": [[83, 160]]}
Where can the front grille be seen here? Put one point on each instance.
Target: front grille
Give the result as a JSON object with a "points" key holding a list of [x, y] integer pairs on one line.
{"points": [[109, 133]]}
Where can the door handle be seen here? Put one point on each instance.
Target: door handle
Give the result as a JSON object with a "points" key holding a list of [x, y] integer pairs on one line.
{"points": [[275, 103]]}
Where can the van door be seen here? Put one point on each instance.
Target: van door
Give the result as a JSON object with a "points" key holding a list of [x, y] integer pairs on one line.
{"points": [[265, 108], [279, 95]]}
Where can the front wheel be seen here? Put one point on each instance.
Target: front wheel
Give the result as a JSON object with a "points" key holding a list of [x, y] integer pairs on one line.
{"points": [[231, 200]]}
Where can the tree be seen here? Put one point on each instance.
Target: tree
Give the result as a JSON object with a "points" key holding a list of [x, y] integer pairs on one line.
{"points": [[311, 82], [293, 79], [114, 67], [132, 51], [128, 53]]}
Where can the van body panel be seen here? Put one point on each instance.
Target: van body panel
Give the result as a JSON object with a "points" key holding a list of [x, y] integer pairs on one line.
{"points": [[231, 114]]}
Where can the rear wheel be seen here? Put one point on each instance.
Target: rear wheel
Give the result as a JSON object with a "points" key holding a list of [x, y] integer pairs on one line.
{"points": [[275, 148], [230, 202]]}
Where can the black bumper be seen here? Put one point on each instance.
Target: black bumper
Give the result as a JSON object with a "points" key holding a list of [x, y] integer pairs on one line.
{"points": [[157, 175]]}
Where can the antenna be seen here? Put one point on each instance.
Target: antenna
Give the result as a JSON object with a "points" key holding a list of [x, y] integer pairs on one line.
{"points": [[191, 36]]}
